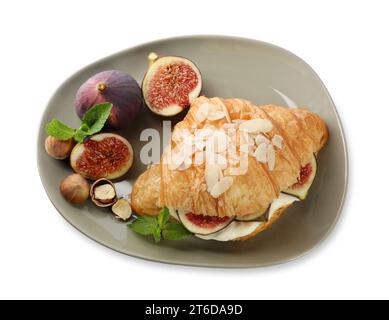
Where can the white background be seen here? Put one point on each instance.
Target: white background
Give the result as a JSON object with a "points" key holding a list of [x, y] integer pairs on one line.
{"points": [[42, 43]]}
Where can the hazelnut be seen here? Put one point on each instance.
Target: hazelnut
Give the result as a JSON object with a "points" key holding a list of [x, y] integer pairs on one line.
{"points": [[122, 209], [103, 193], [59, 149], [75, 189]]}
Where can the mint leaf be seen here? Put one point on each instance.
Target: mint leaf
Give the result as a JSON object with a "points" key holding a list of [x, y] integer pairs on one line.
{"points": [[81, 133], [59, 130], [144, 225], [163, 217], [96, 117], [175, 231], [157, 234], [159, 227], [92, 122]]}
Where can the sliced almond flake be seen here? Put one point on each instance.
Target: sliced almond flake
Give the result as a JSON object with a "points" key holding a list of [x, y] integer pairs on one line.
{"points": [[214, 115], [238, 121], [213, 174], [256, 125], [261, 153], [260, 138], [225, 110], [271, 157], [202, 112], [221, 186], [277, 141]]}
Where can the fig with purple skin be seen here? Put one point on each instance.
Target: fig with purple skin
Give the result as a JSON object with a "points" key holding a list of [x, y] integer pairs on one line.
{"points": [[171, 83], [115, 87]]}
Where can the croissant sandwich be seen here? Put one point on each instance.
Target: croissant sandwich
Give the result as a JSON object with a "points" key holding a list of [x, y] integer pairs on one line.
{"points": [[232, 168]]}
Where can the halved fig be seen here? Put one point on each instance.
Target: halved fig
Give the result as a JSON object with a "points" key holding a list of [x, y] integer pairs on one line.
{"points": [[170, 84], [235, 230], [104, 155], [282, 202], [307, 175], [201, 224], [241, 229]]}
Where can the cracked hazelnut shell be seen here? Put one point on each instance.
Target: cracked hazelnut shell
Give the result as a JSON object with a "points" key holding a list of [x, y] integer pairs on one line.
{"points": [[103, 193]]}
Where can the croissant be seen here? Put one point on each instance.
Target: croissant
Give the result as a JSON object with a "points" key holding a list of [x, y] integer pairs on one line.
{"points": [[263, 154]]}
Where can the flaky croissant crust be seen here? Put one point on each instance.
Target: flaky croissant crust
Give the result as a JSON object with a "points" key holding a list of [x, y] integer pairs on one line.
{"points": [[304, 133]]}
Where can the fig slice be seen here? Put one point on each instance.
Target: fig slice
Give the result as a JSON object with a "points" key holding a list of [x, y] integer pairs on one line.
{"points": [[104, 155], [235, 230], [283, 200], [239, 229], [202, 224], [307, 176], [171, 83]]}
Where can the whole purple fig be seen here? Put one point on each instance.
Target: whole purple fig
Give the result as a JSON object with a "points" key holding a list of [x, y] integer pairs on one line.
{"points": [[115, 87]]}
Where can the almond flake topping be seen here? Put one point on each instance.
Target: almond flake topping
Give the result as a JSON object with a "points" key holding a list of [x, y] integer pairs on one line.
{"points": [[271, 157], [261, 153], [225, 110], [202, 112], [256, 125], [221, 186], [260, 138], [213, 174], [215, 114], [277, 141]]}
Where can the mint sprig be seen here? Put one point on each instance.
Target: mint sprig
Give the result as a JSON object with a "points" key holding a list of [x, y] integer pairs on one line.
{"points": [[159, 227], [59, 130], [92, 122], [175, 231]]}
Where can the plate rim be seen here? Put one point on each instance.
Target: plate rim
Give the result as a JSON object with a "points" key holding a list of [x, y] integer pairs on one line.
{"points": [[304, 253]]}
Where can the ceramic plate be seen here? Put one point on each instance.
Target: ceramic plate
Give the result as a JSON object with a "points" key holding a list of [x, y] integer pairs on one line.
{"points": [[231, 67]]}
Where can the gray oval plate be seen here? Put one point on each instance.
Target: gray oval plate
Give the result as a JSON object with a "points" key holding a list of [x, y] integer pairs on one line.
{"points": [[231, 67]]}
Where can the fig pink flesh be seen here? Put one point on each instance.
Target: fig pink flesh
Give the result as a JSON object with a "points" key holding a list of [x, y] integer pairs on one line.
{"points": [[171, 85], [103, 157]]}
